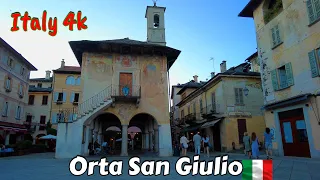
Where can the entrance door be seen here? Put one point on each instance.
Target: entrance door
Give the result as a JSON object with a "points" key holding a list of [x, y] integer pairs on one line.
{"points": [[125, 84], [216, 137], [294, 133], [242, 128]]}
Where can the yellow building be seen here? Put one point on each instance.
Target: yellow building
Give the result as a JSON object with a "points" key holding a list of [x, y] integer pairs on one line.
{"points": [[66, 90], [14, 75], [225, 107], [288, 33], [39, 105], [124, 85]]}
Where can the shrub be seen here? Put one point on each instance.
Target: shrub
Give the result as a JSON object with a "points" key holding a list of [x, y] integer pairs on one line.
{"points": [[52, 131], [27, 144]]}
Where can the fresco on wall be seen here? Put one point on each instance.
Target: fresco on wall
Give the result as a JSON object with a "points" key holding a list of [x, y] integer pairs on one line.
{"points": [[126, 60], [124, 111], [254, 85], [99, 66]]}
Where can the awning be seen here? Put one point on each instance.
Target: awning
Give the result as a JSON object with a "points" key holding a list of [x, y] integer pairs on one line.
{"points": [[209, 124], [192, 128], [7, 126]]}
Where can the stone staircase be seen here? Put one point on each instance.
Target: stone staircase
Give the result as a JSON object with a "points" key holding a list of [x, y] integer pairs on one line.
{"points": [[88, 108]]}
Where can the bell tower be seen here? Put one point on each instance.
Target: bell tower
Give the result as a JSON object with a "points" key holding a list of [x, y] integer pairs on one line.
{"points": [[155, 24]]}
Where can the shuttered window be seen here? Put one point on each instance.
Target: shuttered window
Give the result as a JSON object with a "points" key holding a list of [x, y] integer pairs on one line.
{"points": [[314, 59], [276, 37], [200, 102], [239, 95], [313, 7], [282, 77]]}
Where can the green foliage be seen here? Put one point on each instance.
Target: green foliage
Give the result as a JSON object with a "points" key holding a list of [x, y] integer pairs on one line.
{"points": [[49, 125], [40, 146], [27, 144], [269, 14], [52, 131]]}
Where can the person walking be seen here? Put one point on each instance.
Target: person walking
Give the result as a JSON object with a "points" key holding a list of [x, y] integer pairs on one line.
{"points": [[184, 144], [247, 144], [268, 142], [197, 143], [205, 141], [255, 145]]}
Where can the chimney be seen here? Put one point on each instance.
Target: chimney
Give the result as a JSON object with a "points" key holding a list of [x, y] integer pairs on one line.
{"points": [[223, 66], [62, 63], [48, 74], [213, 74], [195, 78]]}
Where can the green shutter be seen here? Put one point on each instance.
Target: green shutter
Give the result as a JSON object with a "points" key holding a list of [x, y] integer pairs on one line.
{"points": [[317, 8], [277, 34], [241, 96], [236, 92], [313, 63], [274, 39], [289, 74], [274, 79], [310, 11]]}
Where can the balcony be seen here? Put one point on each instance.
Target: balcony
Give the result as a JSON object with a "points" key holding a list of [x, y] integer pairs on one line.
{"points": [[238, 111], [210, 111], [126, 93]]}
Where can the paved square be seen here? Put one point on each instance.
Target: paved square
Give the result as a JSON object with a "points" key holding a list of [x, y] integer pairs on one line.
{"points": [[45, 167]]}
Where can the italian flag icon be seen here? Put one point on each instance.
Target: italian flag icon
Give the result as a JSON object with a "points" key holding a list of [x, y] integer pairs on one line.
{"points": [[257, 170]]}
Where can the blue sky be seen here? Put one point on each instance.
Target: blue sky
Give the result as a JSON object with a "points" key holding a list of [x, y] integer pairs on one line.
{"points": [[200, 29]]}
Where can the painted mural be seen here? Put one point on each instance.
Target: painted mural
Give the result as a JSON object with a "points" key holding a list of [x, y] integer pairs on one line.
{"points": [[99, 66], [126, 60]]}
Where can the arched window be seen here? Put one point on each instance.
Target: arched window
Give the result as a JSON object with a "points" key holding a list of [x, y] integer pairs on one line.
{"points": [[78, 81], [156, 21], [70, 80], [271, 9]]}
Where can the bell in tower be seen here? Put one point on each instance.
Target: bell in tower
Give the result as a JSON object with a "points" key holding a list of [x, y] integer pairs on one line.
{"points": [[156, 21]]}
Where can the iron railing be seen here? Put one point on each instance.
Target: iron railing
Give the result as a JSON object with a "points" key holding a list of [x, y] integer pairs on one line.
{"points": [[126, 91], [87, 106]]}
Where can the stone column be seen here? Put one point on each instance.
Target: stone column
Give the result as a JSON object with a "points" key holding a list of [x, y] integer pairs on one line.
{"points": [[143, 141], [146, 142], [165, 144], [7, 139], [132, 143], [124, 143], [156, 140]]}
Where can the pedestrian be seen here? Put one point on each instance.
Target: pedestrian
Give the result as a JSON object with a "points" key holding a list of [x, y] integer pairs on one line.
{"points": [[184, 144], [197, 143], [97, 147], [205, 141], [268, 142], [105, 146], [255, 145], [247, 144]]}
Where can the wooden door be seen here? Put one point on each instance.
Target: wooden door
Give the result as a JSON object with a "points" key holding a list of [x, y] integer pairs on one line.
{"points": [[294, 135], [125, 84], [242, 128]]}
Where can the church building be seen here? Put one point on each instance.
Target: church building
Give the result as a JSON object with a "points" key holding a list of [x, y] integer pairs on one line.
{"points": [[124, 85]]}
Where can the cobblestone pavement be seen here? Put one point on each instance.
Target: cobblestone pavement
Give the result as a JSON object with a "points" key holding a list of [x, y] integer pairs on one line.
{"points": [[45, 167]]}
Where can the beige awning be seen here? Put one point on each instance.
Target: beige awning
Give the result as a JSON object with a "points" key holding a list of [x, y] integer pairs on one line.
{"points": [[209, 124]]}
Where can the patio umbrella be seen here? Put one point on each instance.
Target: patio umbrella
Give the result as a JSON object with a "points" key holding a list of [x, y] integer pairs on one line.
{"points": [[49, 136]]}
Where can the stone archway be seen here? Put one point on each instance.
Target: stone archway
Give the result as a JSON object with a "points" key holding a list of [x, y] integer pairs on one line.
{"points": [[149, 131]]}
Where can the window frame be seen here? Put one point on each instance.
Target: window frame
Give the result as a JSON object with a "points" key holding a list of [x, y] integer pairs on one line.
{"points": [[47, 97], [313, 10], [276, 36], [275, 77], [314, 62], [5, 113], [239, 100], [32, 100], [18, 113]]}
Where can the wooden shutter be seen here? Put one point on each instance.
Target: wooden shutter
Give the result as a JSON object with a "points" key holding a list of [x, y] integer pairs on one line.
{"points": [[277, 31], [310, 11], [72, 97], [289, 74], [317, 8], [70, 117], [274, 39], [241, 96], [274, 78], [236, 92], [21, 112], [313, 63], [55, 97], [54, 118], [64, 96], [5, 81]]}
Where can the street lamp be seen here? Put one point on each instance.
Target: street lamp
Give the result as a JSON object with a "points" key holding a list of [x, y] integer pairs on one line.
{"points": [[246, 91]]}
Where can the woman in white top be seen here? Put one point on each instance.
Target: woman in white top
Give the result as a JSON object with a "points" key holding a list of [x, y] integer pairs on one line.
{"points": [[184, 143], [205, 141]]}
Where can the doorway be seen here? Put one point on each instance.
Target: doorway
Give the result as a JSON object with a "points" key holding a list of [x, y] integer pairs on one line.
{"points": [[294, 133], [125, 84], [242, 128], [216, 137]]}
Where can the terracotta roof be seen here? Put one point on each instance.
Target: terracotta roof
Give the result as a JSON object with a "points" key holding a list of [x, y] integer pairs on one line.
{"points": [[9, 124], [123, 46], [192, 84], [18, 55], [249, 8], [68, 69]]}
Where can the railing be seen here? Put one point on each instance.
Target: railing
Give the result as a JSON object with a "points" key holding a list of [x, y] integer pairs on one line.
{"points": [[210, 109], [236, 108], [126, 91], [72, 114]]}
